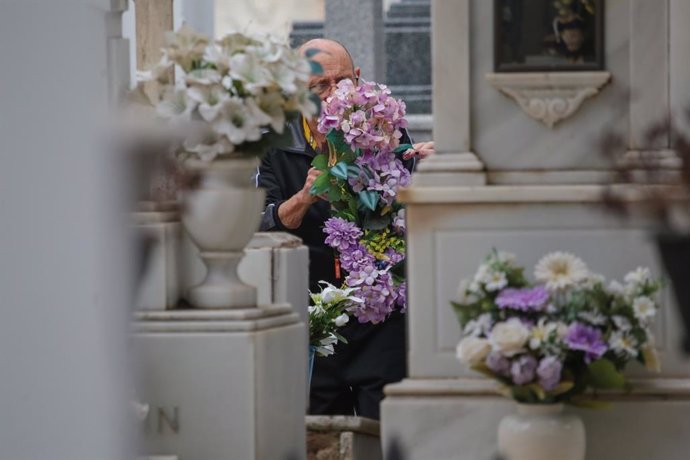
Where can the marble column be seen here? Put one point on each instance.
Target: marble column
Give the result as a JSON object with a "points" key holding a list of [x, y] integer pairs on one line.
{"points": [[63, 284], [358, 24]]}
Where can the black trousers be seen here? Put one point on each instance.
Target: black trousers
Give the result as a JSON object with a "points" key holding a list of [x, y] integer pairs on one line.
{"points": [[351, 381]]}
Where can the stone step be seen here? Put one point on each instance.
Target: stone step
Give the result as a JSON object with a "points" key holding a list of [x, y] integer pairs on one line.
{"points": [[341, 437]]}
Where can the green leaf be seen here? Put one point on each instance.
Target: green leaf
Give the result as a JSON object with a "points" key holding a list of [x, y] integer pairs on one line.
{"points": [[337, 139], [561, 388], [603, 374], [320, 185], [320, 162], [340, 170], [311, 52], [375, 221], [399, 269], [334, 193], [402, 148], [369, 199]]}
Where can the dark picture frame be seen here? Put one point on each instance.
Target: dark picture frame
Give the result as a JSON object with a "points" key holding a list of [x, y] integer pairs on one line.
{"points": [[562, 59]]}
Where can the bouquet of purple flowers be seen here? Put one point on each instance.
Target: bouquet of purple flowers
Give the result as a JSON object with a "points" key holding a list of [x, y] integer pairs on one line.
{"points": [[551, 341], [361, 174]]}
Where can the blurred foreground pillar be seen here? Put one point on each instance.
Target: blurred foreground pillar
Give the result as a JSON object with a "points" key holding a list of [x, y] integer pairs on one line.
{"points": [[63, 287]]}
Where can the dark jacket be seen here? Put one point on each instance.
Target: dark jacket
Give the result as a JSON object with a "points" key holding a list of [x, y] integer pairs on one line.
{"points": [[282, 173]]}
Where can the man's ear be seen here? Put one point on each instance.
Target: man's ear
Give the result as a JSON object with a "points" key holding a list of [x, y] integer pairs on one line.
{"points": [[357, 72]]}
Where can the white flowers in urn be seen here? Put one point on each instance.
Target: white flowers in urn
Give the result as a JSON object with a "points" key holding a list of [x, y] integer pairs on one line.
{"points": [[230, 101], [236, 93]]}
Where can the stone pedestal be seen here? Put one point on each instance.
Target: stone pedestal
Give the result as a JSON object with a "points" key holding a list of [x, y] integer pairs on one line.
{"points": [[158, 232], [222, 384]]}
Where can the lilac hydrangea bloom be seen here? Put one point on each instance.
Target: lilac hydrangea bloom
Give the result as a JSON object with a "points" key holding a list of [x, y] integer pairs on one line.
{"points": [[399, 221], [498, 364], [366, 114], [341, 234], [355, 258], [523, 368], [379, 299], [401, 301], [587, 339], [549, 372], [527, 299]]}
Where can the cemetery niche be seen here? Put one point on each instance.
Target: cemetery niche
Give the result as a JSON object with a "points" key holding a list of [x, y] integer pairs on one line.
{"points": [[548, 35]]}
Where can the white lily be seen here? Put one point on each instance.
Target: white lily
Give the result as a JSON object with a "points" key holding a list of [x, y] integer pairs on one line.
{"points": [[176, 104], [210, 99], [271, 105], [248, 69], [236, 122]]}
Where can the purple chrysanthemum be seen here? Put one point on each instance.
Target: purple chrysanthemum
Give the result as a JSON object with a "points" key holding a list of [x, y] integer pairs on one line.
{"points": [[549, 372], [527, 299], [587, 339], [341, 234]]}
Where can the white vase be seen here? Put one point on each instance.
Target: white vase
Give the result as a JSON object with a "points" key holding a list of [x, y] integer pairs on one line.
{"points": [[221, 216], [541, 432]]}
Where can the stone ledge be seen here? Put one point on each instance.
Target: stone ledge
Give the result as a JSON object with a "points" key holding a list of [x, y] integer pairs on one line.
{"points": [[361, 425], [641, 389], [191, 321]]}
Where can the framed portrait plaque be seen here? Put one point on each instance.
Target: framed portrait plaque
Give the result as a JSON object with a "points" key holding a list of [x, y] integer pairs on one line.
{"points": [[548, 35]]}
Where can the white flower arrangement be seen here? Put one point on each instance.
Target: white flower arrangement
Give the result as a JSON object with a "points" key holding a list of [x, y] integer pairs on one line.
{"points": [[236, 93], [552, 340], [327, 314]]}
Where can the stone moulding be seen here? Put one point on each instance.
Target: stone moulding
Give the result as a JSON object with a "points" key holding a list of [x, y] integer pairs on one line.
{"points": [[549, 97]]}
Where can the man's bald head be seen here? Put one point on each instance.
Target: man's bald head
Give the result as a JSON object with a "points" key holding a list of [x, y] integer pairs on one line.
{"points": [[336, 62], [328, 46]]}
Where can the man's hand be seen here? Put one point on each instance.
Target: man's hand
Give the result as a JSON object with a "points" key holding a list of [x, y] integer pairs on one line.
{"points": [[420, 150], [305, 194], [292, 211]]}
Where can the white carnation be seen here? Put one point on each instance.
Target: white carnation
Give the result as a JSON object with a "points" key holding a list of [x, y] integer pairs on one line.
{"points": [[644, 308], [623, 344], [478, 327], [465, 295], [638, 276], [496, 281]]}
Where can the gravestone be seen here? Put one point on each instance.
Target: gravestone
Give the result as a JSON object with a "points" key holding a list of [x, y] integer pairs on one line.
{"points": [[407, 45]]}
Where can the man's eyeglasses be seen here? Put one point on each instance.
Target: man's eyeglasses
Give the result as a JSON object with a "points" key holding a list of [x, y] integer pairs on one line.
{"points": [[321, 88]]}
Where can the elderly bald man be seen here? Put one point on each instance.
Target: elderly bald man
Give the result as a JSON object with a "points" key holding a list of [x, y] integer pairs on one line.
{"points": [[351, 381]]}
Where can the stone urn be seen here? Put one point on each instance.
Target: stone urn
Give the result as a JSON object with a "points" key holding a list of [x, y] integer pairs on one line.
{"points": [[221, 216], [541, 432]]}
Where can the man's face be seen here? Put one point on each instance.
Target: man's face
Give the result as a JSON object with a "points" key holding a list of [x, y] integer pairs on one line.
{"points": [[336, 66]]}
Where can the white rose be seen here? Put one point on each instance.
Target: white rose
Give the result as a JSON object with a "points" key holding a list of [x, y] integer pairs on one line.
{"points": [[472, 350], [509, 337], [341, 320]]}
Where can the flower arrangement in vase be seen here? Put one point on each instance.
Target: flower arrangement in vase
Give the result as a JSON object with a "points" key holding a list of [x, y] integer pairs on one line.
{"points": [[549, 342], [229, 102], [360, 176]]}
